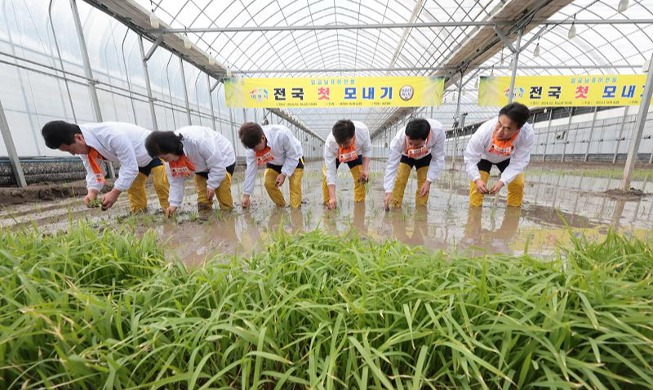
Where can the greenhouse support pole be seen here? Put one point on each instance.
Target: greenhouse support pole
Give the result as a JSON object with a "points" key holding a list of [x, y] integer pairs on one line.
{"points": [[95, 102], [233, 134], [589, 141], [621, 134], [87, 63], [148, 86], [455, 130], [11, 149], [636, 135], [183, 84], [208, 83], [515, 64], [565, 141]]}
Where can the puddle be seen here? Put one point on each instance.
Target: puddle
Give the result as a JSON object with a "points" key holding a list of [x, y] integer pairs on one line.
{"points": [[555, 206]]}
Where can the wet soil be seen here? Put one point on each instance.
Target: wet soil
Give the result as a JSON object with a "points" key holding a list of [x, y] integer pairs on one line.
{"points": [[555, 207], [41, 192]]}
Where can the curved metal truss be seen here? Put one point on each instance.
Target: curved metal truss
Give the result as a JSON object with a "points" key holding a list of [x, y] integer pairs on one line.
{"points": [[294, 50]]}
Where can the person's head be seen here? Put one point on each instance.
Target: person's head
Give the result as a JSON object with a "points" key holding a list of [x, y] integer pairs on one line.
{"points": [[344, 132], [164, 144], [417, 131], [252, 136], [511, 119], [64, 136]]}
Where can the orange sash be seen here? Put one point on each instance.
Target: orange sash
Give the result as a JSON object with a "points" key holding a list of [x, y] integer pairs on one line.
{"points": [[502, 147], [264, 156], [93, 156], [349, 153], [417, 153], [182, 167]]}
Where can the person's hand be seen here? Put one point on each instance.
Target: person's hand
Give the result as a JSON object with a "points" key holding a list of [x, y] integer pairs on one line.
{"points": [[497, 187], [281, 178], [387, 200], [365, 176], [480, 186], [246, 202], [170, 211], [426, 187], [109, 199], [90, 197], [210, 193], [331, 204]]}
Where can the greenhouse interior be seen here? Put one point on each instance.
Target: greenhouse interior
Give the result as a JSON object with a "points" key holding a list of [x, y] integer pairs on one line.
{"points": [[200, 194]]}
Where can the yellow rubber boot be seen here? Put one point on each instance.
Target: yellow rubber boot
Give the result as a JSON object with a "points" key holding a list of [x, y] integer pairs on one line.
{"points": [[136, 194], [403, 172], [325, 187], [161, 185], [271, 187], [202, 200], [421, 179], [223, 193], [516, 191], [475, 197], [296, 188], [359, 188]]}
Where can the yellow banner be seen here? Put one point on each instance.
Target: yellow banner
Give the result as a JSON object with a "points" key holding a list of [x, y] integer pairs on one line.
{"points": [[325, 92], [568, 91]]}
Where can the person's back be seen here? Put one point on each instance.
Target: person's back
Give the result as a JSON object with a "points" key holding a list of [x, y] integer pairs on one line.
{"points": [[419, 145], [350, 143], [115, 142], [505, 142], [280, 152]]}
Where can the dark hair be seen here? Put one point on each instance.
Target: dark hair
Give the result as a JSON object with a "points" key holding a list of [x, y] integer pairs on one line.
{"points": [[343, 130], [56, 133], [418, 129], [517, 112], [250, 134], [164, 142]]}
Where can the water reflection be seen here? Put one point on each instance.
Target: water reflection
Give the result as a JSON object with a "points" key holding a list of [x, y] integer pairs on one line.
{"points": [[480, 241], [290, 220], [411, 230]]}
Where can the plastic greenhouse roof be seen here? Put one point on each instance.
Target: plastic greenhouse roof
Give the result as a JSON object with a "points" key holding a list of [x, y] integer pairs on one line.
{"points": [[616, 46]]}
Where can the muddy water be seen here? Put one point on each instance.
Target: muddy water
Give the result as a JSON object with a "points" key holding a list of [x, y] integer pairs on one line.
{"points": [[555, 206]]}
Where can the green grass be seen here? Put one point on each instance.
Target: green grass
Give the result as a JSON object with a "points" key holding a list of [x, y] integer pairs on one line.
{"points": [[103, 309], [615, 173]]}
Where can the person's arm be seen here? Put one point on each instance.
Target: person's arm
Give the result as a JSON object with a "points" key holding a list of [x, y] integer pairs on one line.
{"points": [[394, 158], [330, 157], [124, 150], [293, 153], [437, 155], [93, 188], [216, 163], [472, 156], [250, 176], [367, 156], [91, 180], [519, 159], [176, 191], [126, 154]]}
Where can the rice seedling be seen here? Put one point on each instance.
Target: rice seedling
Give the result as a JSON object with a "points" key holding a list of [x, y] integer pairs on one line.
{"points": [[95, 203], [103, 308]]}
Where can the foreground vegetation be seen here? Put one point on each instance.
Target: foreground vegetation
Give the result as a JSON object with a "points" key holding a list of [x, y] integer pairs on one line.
{"points": [[616, 173], [104, 309]]}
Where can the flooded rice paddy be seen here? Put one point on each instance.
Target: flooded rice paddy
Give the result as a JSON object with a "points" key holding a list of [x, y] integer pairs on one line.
{"points": [[557, 203]]}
